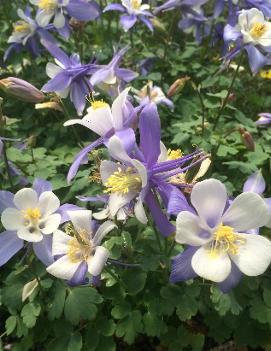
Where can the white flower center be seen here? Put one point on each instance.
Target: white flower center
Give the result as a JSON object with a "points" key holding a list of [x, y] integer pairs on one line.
{"points": [[123, 181], [80, 247], [48, 5], [257, 30], [32, 219], [22, 27]]}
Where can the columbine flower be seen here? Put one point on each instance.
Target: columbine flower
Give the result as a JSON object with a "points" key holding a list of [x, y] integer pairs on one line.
{"points": [[111, 78], [105, 121], [264, 119], [150, 93], [27, 34], [137, 175], [80, 251], [29, 215], [68, 77], [220, 250], [134, 10], [57, 10], [252, 33]]}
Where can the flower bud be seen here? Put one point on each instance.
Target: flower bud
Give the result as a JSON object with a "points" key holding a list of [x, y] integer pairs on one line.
{"points": [[21, 89], [247, 139], [177, 86], [52, 105]]}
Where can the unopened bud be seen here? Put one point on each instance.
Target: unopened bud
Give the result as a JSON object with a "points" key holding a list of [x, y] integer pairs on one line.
{"points": [[177, 86], [158, 24], [247, 139], [76, 25], [21, 89], [31, 141], [52, 105]]}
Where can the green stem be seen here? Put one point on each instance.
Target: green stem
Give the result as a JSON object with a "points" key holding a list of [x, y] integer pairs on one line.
{"points": [[4, 152], [228, 93]]}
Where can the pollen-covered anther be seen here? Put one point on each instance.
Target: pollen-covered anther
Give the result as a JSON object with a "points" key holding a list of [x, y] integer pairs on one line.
{"points": [[123, 181], [32, 214], [226, 241], [258, 30], [47, 5], [136, 4], [174, 154], [21, 26], [95, 104], [79, 247]]}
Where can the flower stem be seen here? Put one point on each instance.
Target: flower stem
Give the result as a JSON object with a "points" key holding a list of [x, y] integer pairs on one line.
{"points": [[225, 101], [4, 151]]}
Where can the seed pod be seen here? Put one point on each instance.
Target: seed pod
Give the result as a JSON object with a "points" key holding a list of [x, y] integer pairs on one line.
{"points": [[21, 89], [247, 139], [177, 86]]}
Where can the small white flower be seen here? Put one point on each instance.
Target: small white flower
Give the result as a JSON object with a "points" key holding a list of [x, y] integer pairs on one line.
{"points": [[32, 216], [220, 232], [82, 246], [135, 6], [254, 28], [22, 29]]}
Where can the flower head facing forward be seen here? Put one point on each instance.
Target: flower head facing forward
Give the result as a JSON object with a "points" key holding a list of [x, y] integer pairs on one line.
{"points": [[32, 216], [68, 76], [220, 248], [80, 248], [134, 10]]}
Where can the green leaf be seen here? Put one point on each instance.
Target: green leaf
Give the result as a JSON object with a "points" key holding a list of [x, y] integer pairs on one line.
{"points": [[106, 326], [80, 304], [10, 324], [57, 305], [153, 324], [75, 343], [134, 280], [129, 327], [106, 344], [29, 313], [121, 310]]}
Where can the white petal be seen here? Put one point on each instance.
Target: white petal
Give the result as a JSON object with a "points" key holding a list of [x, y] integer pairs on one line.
{"points": [[26, 198], [204, 166], [163, 153], [52, 70], [121, 215], [81, 220], [51, 223], [117, 108], [12, 219], [209, 199], [43, 18], [59, 20], [64, 93], [209, 266], [140, 212], [103, 229], [98, 120], [254, 256], [34, 237], [142, 171], [97, 262], [117, 201], [117, 150], [103, 214], [48, 203], [189, 230], [247, 211], [63, 268], [60, 243]]}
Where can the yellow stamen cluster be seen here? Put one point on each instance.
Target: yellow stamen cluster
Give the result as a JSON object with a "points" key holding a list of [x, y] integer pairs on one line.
{"points": [[265, 74], [47, 5], [225, 240], [174, 154], [123, 181], [79, 247], [258, 30], [21, 26], [32, 214], [136, 4], [95, 104]]}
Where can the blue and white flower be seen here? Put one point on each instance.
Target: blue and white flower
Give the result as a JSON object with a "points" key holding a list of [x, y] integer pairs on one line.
{"points": [[80, 251], [219, 249]]}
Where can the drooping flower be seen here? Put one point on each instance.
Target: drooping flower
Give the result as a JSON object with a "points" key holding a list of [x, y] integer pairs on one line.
{"points": [[219, 248], [151, 93], [111, 78], [80, 249], [252, 33], [68, 77], [134, 10], [106, 122], [264, 119], [27, 34], [138, 176], [57, 10]]}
